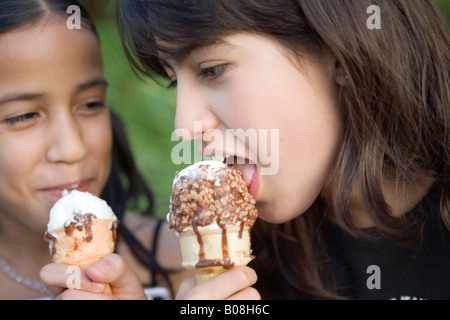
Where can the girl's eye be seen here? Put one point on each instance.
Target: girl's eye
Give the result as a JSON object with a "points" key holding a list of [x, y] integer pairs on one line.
{"points": [[212, 73], [93, 105], [21, 118], [209, 74]]}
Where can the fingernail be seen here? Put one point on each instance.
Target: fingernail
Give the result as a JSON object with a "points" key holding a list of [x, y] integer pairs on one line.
{"points": [[100, 287]]}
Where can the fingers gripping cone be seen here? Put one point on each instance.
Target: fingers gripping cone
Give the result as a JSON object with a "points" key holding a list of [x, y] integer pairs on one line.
{"points": [[81, 230]]}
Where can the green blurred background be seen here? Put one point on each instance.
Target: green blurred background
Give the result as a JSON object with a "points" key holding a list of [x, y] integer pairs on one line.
{"points": [[147, 109]]}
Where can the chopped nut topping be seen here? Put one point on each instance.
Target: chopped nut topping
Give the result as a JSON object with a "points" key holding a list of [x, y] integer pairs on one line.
{"points": [[205, 199]]}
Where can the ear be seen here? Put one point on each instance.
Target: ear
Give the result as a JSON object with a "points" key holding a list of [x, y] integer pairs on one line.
{"points": [[340, 76]]}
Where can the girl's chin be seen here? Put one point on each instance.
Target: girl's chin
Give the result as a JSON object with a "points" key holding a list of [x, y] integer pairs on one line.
{"points": [[267, 214], [279, 211]]}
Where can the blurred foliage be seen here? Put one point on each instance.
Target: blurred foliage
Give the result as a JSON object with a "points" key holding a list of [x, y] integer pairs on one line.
{"points": [[444, 5], [147, 109]]}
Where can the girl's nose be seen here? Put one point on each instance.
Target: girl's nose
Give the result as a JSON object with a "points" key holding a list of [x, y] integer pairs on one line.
{"points": [[67, 143], [194, 113]]}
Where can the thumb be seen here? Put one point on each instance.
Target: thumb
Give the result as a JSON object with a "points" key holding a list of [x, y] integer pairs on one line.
{"points": [[114, 270]]}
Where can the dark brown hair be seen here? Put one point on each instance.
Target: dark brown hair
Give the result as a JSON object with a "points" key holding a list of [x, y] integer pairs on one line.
{"points": [[395, 106]]}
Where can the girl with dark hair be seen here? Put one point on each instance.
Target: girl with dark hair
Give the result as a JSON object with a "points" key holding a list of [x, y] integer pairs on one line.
{"points": [[57, 133], [359, 91]]}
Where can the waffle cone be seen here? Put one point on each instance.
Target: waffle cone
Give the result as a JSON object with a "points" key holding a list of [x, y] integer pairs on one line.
{"points": [[205, 251]]}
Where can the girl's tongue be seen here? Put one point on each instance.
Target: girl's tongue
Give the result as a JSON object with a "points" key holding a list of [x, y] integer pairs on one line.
{"points": [[249, 175]]}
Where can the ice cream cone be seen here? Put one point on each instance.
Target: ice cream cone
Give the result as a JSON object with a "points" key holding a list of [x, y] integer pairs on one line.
{"points": [[212, 212], [211, 251], [81, 237]]}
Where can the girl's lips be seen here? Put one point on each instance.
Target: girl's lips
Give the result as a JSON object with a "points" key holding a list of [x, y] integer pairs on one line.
{"points": [[58, 191]]}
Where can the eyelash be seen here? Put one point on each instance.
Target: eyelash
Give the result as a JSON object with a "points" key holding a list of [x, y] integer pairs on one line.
{"points": [[21, 118], [209, 74], [212, 73], [30, 115], [94, 104], [172, 84]]}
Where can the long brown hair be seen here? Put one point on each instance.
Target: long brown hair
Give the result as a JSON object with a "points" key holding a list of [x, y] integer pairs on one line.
{"points": [[395, 106]]}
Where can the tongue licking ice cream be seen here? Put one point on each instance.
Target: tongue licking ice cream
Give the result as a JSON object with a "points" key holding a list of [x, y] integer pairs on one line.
{"points": [[212, 212], [81, 230]]}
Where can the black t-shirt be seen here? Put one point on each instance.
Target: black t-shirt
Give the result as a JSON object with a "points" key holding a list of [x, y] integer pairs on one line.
{"points": [[380, 269]]}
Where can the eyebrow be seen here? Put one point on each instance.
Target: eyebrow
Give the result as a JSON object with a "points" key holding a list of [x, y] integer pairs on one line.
{"points": [[39, 96], [21, 97], [178, 55], [90, 84]]}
